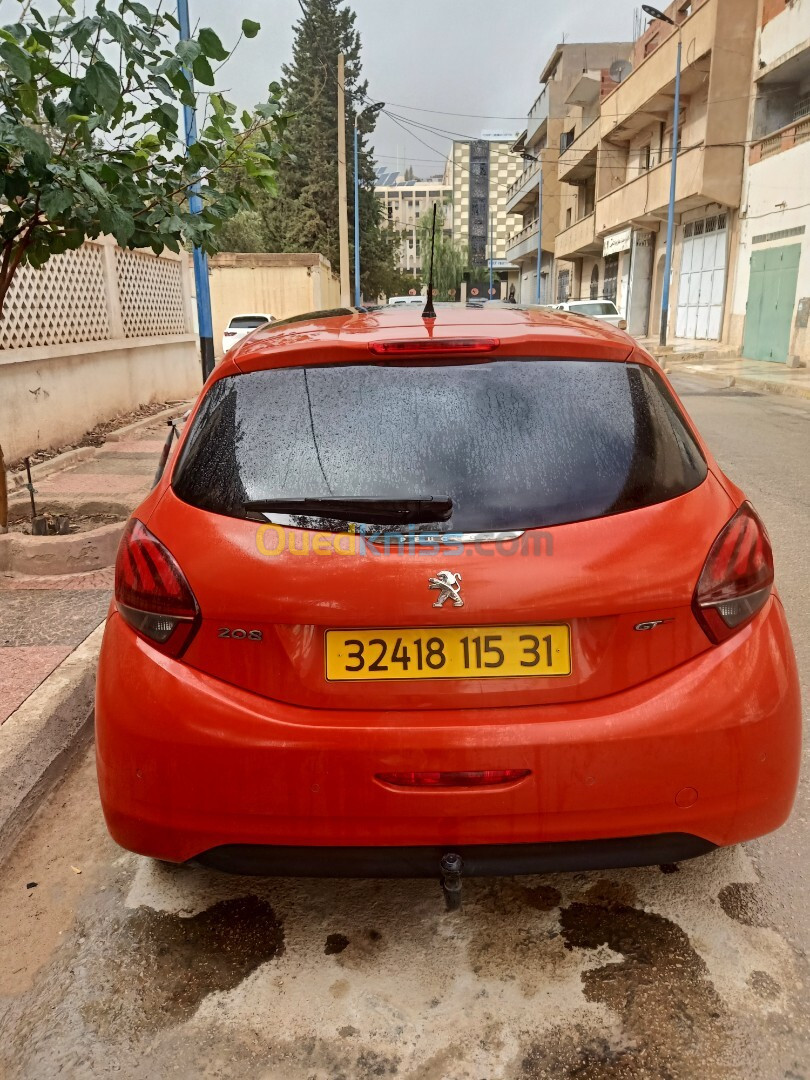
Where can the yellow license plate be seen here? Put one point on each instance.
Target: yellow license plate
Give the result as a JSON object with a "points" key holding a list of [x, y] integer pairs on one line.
{"points": [[466, 652]]}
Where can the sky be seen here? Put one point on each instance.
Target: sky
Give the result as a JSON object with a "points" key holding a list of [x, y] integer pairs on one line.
{"points": [[465, 56]]}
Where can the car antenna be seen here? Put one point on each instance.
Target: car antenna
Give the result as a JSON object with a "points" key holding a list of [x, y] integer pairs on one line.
{"points": [[430, 310]]}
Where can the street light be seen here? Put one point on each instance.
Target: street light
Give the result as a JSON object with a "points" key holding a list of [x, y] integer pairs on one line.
{"points": [[654, 13], [369, 109]]}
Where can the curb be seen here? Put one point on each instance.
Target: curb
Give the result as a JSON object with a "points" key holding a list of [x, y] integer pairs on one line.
{"points": [[40, 740], [46, 555], [18, 480], [742, 382]]}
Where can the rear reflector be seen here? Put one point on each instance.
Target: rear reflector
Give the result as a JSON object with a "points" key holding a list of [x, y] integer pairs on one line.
{"points": [[433, 346], [737, 578], [151, 592], [485, 778]]}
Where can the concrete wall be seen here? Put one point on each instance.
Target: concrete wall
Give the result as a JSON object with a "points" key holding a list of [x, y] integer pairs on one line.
{"points": [[780, 179], [54, 394], [280, 285]]}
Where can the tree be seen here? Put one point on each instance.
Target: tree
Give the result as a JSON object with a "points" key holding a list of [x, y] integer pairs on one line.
{"points": [[450, 259], [304, 217], [90, 138]]}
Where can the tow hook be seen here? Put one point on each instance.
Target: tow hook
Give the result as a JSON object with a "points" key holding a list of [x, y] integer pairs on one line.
{"points": [[452, 867]]}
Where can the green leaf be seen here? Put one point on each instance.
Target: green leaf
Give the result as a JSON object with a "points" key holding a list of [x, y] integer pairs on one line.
{"points": [[119, 222], [211, 45], [67, 5], [202, 71], [16, 61], [27, 97], [55, 201], [250, 29], [188, 51], [93, 187], [32, 142], [102, 84]]}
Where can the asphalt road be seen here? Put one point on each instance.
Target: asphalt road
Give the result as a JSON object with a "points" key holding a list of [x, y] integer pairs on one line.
{"points": [[111, 965]]}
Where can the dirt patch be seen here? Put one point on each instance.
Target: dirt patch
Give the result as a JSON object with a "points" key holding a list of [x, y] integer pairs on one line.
{"points": [[670, 1012], [335, 943], [742, 902], [96, 436], [176, 962], [78, 523]]}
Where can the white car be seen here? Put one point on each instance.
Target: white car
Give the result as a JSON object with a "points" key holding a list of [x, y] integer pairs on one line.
{"points": [[240, 326], [603, 310], [405, 301]]}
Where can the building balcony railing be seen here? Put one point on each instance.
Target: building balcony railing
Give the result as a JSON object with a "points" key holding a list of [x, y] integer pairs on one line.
{"points": [[538, 116], [705, 174], [525, 185], [580, 157], [579, 239], [521, 243], [784, 139]]}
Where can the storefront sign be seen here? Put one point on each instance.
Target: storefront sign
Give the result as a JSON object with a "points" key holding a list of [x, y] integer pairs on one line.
{"points": [[618, 241]]}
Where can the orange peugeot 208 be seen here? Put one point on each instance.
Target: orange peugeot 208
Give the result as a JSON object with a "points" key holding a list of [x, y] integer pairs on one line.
{"points": [[465, 593]]}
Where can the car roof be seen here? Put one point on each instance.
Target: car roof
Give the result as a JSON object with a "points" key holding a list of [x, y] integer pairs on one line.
{"points": [[344, 336]]}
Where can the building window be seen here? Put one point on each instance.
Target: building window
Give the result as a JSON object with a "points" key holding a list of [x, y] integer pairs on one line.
{"points": [[566, 139], [595, 283], [645, 158], [568, 216]]}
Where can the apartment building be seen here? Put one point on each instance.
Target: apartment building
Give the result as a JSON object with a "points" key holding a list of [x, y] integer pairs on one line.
{"points": [[619, 249], [405, 203], [770, 306], [482, 171], [570, 96]]}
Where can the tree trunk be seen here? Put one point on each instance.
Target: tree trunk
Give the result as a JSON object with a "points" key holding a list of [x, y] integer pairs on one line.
{"points": [[3, 494]]}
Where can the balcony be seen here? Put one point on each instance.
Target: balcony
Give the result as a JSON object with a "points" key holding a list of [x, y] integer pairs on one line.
{"points": [[579, 160], [646, 96], [524, 189], [523, 243], [580, 239], [779, 141], [705, 174], [538, 116]]}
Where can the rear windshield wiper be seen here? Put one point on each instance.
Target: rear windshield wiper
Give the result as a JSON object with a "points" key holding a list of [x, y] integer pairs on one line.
{"points": [[366, 509]]}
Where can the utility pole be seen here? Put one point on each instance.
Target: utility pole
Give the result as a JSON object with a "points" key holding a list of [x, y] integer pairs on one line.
{"points": [[491, 252], [540, 231], [202, 288], [654, 13], [343, 208], [357, 296]]}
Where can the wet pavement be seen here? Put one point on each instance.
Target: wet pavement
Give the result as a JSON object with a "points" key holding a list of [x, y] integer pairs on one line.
{"points": [[43, 618], [113, 965]]}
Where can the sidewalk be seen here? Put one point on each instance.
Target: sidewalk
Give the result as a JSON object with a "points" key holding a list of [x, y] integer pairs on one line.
{"points": [[718, 362], [44, 618]]}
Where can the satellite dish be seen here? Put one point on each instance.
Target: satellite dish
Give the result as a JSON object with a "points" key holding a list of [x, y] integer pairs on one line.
{"points": [[619, 70]]}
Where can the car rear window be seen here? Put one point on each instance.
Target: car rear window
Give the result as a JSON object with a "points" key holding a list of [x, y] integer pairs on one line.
{"points": [[247, 322], [595, 307], [515, 444]]}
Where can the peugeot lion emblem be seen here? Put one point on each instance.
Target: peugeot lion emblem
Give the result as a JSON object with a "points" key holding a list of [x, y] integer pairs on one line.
{"points": [[449, 585]]}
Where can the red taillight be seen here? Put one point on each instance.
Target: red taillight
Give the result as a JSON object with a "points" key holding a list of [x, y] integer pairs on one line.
{"points": [[151, 592], [484, 778], [737, 578], [433, 346]]}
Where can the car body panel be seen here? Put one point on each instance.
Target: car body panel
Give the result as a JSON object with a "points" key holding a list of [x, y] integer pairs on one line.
{"points": [[231, 746]]}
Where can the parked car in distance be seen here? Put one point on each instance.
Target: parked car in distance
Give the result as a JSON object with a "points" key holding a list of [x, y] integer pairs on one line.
{"points": [[405, 301], [465, 592], [604, 310], [240, 326]]}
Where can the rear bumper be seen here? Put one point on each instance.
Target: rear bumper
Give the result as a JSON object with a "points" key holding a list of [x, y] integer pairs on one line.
{"points": [[480, 860], [710, 750]]}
